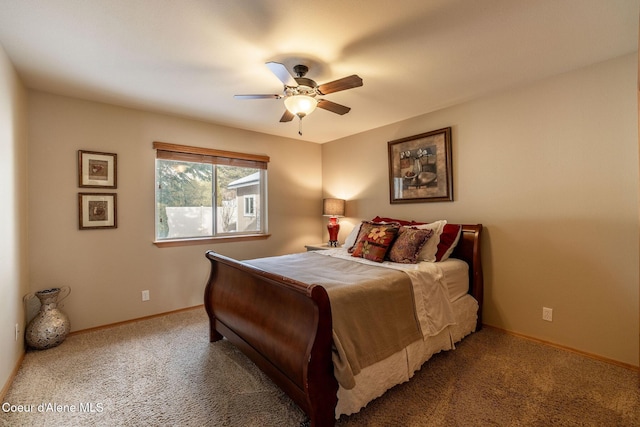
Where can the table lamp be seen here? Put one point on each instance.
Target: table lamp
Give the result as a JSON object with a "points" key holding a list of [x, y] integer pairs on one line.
{"points": [[333, 208]]}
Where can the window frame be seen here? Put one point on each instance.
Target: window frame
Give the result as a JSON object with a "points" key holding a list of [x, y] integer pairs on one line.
{"points": [[167, 151]]}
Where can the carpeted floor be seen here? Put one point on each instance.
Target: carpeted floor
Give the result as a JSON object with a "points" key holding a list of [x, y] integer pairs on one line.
{"points": [[164, 372]]}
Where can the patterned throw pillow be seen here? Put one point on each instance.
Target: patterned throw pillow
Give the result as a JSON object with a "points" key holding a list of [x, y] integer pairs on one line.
{"points": [[364, 229], [407, 246], [374, 241]]}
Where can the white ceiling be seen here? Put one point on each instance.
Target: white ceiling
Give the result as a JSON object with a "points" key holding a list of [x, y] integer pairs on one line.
{"points": [[189, 57]]}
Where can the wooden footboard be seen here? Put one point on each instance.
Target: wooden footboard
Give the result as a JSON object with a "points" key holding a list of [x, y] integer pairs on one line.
{"points": [[285, 326]]}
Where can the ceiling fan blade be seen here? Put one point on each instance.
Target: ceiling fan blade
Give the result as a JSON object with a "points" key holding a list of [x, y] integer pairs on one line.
{"points": [[333, 107], [257, 96], [282, 73], [340, 84], [287, 116]]}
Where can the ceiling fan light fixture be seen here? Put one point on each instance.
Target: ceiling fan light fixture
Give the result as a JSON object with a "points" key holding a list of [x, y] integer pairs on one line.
{"points": [[300, 105]]}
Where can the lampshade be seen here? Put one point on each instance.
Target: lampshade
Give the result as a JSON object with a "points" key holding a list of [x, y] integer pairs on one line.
{"points": [[333, 207], [300, 105]]}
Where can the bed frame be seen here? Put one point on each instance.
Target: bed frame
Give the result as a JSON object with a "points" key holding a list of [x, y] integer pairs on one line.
{"points": [[284, 326]]}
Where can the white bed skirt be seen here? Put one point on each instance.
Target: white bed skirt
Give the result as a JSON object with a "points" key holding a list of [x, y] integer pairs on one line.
{"points": [[398, 368]]}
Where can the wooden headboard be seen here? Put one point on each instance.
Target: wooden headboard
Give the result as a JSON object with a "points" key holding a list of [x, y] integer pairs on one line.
{"points": [[468, 249]]}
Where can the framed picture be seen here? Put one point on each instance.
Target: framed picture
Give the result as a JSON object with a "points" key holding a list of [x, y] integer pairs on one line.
{"points": [[97, 210], [97, 170], [420, 168]]}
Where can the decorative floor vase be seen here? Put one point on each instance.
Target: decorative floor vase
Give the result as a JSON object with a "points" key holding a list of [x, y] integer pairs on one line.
{"points": [[50, 326]]}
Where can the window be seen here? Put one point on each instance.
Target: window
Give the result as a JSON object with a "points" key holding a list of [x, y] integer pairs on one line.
{"points": [[250, 205], [203, 193]]}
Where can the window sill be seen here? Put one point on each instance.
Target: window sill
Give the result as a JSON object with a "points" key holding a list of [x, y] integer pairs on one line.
{"points": [[208, 240]]}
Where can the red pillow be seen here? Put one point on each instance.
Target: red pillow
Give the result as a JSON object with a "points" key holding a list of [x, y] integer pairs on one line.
{"points": [[398, 221], [448, 241]]}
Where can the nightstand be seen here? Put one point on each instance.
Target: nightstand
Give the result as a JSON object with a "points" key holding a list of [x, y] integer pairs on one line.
{"points": [[317, 247]]}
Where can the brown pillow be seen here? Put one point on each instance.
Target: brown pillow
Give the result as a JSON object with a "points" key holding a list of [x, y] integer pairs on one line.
{"points": [[407, 246]]}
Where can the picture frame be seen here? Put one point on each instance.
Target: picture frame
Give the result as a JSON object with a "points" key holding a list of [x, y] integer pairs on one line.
{"points": [[97, 170], [421, 168], [97, 210]]}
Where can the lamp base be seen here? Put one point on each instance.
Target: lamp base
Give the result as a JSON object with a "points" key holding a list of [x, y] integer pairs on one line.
{"points": [[333, 228]]}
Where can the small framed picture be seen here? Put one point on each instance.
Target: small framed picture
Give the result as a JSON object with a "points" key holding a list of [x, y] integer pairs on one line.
{"points": [[97, 210], [97, 170]]}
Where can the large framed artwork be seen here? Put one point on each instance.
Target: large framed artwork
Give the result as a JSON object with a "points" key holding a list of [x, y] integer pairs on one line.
{"points": [[97, 210], [97, 170], [420, 168]]}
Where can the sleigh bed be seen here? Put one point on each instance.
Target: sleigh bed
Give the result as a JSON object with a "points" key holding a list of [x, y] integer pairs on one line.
{"points": [[285, 325]]}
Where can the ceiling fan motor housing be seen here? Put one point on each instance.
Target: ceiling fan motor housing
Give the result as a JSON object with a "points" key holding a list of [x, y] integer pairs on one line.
{"points": [[305, 87]]}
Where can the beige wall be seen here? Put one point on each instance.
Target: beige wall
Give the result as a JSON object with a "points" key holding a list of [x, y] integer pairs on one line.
{"points": [[551, 170], [108, 269], [13, 224]]}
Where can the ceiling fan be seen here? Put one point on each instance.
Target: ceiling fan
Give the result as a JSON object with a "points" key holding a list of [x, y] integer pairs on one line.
{"points": [[301, 94]]}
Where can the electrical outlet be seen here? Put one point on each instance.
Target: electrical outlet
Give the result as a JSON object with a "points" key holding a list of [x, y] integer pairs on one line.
{"points": [[547, 314], [145, 296], [17, 331]]}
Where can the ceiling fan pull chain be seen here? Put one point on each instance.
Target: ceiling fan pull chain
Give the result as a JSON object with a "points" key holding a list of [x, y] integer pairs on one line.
{"points": [[300, 126]]}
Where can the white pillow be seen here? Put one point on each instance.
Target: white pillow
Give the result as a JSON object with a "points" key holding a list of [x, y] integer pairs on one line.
{"points": [[351, 238], [430, 249]]}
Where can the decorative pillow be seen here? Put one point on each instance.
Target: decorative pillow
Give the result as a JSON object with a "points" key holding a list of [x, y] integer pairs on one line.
{"points": [[429, 250], [375, 240], [408, 244], [363, 229], [448, 241], [390, 220]]}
